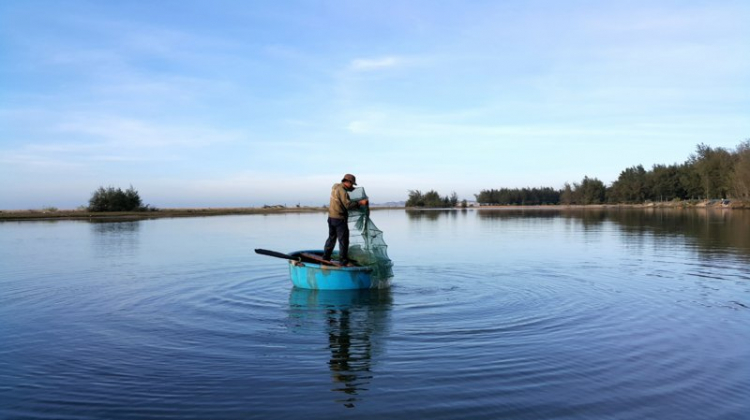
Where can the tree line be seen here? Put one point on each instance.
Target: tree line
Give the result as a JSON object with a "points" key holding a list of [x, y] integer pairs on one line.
{"points": [[431, 199], [709, 173], [521, 196]]}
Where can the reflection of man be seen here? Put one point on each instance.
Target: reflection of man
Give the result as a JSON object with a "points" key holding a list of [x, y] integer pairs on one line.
{"points": [[339, 342], [353, 323], [347, 367], [338, 213]]}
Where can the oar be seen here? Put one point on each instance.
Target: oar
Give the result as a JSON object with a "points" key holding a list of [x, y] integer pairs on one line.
{"points": [[320, 260], [276, 254], [289, 257]]}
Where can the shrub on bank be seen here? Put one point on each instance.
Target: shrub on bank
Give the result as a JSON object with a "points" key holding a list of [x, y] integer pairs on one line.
{"points": [[115, 199]]}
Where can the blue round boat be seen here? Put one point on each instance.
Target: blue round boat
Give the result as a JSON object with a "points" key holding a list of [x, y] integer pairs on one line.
{"points": [[311, 275]]}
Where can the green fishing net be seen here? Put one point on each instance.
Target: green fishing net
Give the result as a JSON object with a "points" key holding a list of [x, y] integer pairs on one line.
{"points": [[366, 244]]}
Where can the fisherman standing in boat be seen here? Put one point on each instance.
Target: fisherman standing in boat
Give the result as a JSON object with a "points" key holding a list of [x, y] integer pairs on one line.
{"points": [[338, 214]]}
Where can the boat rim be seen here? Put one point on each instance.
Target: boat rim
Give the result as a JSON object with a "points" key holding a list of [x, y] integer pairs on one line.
{"points": [[326, 267]]}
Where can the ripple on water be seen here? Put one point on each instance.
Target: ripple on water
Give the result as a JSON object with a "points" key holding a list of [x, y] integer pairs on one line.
{"points": [[628, 336], [546, 332]]}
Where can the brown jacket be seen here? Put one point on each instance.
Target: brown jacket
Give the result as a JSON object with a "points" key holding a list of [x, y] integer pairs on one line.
{"points": [[340, 203]]}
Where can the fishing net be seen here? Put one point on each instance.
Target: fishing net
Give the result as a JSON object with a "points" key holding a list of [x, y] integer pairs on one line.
{"points": [[366, 244]]}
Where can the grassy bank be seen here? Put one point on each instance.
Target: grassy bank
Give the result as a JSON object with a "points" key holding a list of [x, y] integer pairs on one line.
{"points": [[135, 215], [16, 215]]}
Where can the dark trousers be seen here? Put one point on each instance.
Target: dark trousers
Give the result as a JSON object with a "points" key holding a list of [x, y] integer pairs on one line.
{"points": [[337, 229]]}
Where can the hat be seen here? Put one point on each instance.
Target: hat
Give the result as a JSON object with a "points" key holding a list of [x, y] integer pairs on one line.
{"points": [[351, 178]]}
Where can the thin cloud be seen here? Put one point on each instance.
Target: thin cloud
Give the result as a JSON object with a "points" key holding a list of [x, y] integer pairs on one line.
{"points": [[370, 64], [134, 133], [367, 123], [83, 140], [134, 159], [35, 161]]}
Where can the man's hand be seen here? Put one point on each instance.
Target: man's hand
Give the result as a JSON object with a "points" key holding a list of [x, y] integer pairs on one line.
{"points": [[363, 202]]}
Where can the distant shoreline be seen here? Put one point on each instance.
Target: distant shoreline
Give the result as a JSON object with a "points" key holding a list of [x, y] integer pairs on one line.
{"points": [[712, 204], [21, 215]]}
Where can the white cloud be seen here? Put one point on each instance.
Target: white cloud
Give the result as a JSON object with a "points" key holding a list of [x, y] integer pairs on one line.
{"points": [[84, 141], [369, 64], [36, 161], [137, 133]]}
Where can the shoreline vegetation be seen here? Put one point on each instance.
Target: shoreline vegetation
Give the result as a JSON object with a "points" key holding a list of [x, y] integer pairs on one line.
{"points": [[708, 173], [708, 176], [83, 214]]}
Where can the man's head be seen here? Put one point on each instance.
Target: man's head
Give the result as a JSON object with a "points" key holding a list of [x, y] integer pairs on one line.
{"points": [[349, 181]]}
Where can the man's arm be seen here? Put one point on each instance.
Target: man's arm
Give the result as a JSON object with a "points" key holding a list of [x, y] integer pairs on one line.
{"points": [[347, 203]]}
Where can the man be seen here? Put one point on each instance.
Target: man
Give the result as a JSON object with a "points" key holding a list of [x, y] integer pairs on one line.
{"points": [[338, 213]]}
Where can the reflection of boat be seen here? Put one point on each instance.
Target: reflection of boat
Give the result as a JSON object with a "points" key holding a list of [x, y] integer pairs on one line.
{"points": [[313, 275], [355, 322], [343, 299]]}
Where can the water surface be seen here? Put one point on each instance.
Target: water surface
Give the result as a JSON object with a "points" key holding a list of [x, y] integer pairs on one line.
{"points": [[492, 314]]}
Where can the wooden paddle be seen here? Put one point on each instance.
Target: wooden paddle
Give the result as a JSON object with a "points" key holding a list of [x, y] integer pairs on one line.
{"points": [[319, 259], [276, 254], [306, 255]]}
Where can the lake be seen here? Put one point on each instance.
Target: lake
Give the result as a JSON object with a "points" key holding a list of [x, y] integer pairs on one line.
{"points": [[533, 314]]}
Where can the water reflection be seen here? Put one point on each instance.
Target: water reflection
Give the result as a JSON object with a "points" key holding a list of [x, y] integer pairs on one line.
{"points": [[712, 230], [586, 215], [355, 322], [433, 214], [115, 238]]}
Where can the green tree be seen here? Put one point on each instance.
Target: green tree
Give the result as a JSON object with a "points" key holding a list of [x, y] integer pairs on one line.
{"points": [[115, 199], [416, 199], [665, 184], [522, 196], [431, 199], [690, 181], [566, 195], [592, 191], [631, 186], [741, 173], [453, 201], [714, 167]]}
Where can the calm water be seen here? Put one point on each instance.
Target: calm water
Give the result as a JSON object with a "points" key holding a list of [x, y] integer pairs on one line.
{"points": [[493, 314]]}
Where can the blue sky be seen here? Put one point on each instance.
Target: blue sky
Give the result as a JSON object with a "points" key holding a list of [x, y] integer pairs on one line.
{"points": [[245, 103]]}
